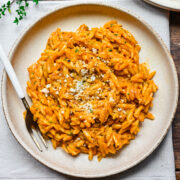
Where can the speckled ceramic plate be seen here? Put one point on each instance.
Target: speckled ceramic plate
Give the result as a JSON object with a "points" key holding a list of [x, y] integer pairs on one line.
{"points": [[172, 5], [28, 49]]}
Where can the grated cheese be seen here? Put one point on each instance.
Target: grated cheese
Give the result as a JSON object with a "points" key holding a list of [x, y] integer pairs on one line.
{"points": [[111, 99], [48, 85], [44, 90], [119, 109], [84, 72], [93, 78], [94, 50]]}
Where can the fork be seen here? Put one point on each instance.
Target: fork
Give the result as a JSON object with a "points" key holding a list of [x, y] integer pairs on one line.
{"points": [[30, 123]]}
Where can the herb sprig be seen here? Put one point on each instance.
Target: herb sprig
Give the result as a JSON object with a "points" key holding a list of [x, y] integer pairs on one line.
{"points": [[5, 7], [20, 11]]}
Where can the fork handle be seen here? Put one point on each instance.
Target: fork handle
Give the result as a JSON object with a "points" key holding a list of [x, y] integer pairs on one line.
{"points": [[11, 73]]}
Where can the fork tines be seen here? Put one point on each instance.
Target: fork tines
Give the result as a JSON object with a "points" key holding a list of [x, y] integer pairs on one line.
{"points": [[32, 127]]}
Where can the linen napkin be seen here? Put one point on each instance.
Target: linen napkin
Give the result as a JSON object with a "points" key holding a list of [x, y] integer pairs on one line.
{"points": [[16, 163]]}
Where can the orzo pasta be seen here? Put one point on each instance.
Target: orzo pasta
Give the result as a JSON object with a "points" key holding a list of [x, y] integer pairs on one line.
{"points": [[89, 93]]}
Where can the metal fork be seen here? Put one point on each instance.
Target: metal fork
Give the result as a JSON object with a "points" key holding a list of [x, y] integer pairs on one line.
{"points": [[30, 123]]}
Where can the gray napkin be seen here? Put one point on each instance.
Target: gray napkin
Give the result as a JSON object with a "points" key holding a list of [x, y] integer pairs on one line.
{"points": [[16, 163]]}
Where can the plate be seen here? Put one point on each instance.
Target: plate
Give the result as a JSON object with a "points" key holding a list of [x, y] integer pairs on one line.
{"points": [[172, 5], [28, 49]]}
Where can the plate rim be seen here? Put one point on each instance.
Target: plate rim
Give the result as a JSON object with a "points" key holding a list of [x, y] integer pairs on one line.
{"points": [[46, 163], [162, 6]]}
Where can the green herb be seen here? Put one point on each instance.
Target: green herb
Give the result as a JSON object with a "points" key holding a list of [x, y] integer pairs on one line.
{"points": [[16, 21], [76, 50], [36, 1], [91, 111], [116, 34], [125, 42], [112, 25], [110, 50], [21, 10], [59, 106], [127, 93], [66, 59], [5, 7], [8, 6], [70, 134]]}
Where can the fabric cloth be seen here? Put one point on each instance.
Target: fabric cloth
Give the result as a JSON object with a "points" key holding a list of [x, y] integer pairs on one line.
{"points": [[16, 163]]}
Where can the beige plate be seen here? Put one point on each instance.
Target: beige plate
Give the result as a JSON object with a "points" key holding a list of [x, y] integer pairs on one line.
{"points": [[172, 5], [28, 49]]}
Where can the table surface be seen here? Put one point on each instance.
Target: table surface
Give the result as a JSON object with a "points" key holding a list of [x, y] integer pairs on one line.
{"points": [[175, 51]]}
